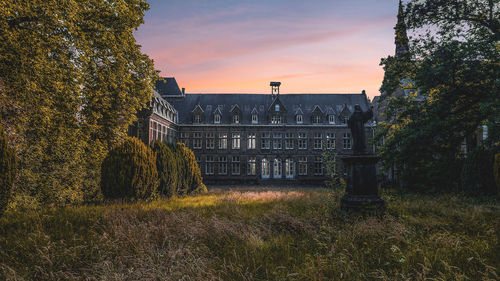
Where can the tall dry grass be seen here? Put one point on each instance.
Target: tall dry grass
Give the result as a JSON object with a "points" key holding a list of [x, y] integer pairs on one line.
{"points": [[255, 234]]}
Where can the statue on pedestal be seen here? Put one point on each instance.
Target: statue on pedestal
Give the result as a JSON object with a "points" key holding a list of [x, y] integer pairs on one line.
{"points": [[357, 125], [361, 173]]}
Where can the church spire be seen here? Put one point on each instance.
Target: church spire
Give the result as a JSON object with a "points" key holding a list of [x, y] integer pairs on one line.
{"points": [[401, 39]]}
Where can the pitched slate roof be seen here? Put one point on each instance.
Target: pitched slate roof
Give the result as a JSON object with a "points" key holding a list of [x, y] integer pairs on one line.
{"points": [[168, 87], [247, 102]]}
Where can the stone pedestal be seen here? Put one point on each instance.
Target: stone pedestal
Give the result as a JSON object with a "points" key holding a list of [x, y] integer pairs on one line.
{"points": [[361, 190]]}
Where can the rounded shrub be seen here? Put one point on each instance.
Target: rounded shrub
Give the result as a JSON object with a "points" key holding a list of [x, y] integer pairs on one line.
{"points": [[7, 170], [193, 182], [168, 166], [129, 171]]}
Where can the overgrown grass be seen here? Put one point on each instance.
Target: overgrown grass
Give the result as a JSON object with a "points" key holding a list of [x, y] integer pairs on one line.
{"points": [[256, 235]]}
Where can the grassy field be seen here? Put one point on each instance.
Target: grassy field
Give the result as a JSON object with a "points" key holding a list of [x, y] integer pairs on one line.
{"points": [[256, 234]]}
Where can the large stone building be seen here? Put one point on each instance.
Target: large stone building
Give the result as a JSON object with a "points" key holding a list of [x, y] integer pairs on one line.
{"points": [[254, 138]]}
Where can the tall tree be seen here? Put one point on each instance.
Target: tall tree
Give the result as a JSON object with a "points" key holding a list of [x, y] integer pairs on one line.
{"points": [[456, 57], [72, 78]]}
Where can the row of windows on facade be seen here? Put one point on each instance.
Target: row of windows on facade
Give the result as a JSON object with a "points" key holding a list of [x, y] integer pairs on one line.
{"points": [[275, 119], [265, 168], [159, 132], [266, 142], [165, 112]]}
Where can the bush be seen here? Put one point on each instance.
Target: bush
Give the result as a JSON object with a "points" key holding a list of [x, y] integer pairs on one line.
{"points": [[477, 173], [129, 171], [167, 164], [496, 171], [193, 182], [7, 170]]}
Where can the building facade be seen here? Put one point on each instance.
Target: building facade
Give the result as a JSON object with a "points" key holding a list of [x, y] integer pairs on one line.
{"points": [[259, 138], [157, 121]]}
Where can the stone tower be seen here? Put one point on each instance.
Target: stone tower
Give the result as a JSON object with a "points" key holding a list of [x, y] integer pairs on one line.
{"points": [[401, 39]]}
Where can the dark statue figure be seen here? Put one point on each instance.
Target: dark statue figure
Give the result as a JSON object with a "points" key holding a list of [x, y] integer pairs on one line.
{"points": [[357, 125]]}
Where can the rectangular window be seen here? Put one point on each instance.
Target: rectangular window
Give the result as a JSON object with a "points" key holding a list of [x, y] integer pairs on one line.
{"points": [[266, 141], [330, 141], [299, 119], [277, 141], [223, 141], [318, 166], [252, 166], [331, 119], [235, 165], [289, 138], [209, 165], [276, 119], [210, 140], [185, 139], [318, 141], [316, 119], [197, 141], [251, 140], [302, 166], [197, 119], [217, 118], [222, 165], [346, 141], [302, 140], [236, 140]]}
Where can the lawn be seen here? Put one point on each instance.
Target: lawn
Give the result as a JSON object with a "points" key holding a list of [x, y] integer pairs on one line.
{"points": [[256, 234]]}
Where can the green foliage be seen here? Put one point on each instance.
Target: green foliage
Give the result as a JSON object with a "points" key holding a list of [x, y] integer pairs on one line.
{"points": [[129, 171], [456, 72], [167, 164], [72, 77], [7, 170], [193, 182], [258, 234], [496, 171], [477, 173], [330, 161]]}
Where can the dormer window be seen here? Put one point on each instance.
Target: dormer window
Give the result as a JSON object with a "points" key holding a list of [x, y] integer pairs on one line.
{"points": [[236, 119], [345, 119], [317, 119], [255, 119], [197, 119], [331, 119], [277, 107], [299, 119], [217, 118], [276, 119]]}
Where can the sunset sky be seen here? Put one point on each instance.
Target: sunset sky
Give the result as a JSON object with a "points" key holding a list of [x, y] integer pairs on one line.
{"points": [[239, 46]]}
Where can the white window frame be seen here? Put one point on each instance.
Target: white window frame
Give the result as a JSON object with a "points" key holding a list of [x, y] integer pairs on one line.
{"points": [[236, 141], [217, 118]]}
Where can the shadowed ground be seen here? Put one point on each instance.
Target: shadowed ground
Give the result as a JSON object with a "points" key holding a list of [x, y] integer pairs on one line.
{"points": [[255, 234]]}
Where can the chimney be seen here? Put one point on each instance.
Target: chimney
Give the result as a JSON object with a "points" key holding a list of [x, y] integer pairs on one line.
{"points": [[275, 88], [183, 91]]}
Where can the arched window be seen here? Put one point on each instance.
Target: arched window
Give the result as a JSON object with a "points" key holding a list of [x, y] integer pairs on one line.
{"points": [[277, 107], [266, 171], [299, 119], [277, 168], [255, 119]]}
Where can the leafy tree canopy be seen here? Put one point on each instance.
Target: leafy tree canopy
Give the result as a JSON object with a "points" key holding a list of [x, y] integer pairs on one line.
{"points": [[455, 64], [71, 80]]}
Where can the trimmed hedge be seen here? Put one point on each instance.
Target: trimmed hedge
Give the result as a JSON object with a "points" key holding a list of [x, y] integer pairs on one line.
{"points": [[7, 170], [178, 170], [129, 171]]}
